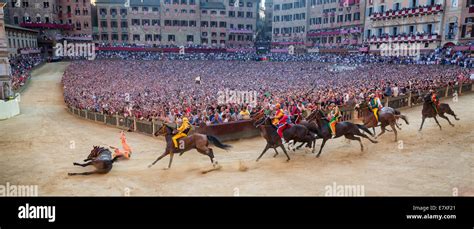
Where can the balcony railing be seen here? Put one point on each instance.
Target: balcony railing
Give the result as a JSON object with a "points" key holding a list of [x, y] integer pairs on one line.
{"points": [[335, 32], [37, 25], [243, 31], [404, 38], [422, 10]]}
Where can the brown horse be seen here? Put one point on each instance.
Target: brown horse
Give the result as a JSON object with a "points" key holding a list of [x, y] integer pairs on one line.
{"points": [[313, 128], [269, 132], [346, 129], [100, 158], [387, 117], [430, 112], [200, 142]]}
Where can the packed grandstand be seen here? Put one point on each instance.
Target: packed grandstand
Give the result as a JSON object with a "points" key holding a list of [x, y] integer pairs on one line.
{"points": [[157, 85]]}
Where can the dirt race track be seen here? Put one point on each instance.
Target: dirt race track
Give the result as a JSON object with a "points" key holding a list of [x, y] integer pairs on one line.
{"points": [[35, 150]]}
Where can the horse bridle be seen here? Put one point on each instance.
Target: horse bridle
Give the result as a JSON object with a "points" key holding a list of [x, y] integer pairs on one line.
{"points": [[160, 131]]}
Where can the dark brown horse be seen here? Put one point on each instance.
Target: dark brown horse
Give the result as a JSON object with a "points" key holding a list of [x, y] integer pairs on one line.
{"points": [[269, 132], [387, 117], [100, 158], [430, 112], [313, 128], [197, 141], [346, 129]]}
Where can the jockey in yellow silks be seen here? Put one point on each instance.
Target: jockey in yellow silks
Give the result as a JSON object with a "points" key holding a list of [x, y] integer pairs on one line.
{"points": [[278, 115], [182, 131], [333, 116], [375, 105]]}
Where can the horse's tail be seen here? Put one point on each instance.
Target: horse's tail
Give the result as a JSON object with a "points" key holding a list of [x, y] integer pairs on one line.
{"points": [[364, 128], [402, 117], [214, 140]]}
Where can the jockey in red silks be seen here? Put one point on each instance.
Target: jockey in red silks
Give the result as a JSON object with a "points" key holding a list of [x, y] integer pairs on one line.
{"points": [[295, 112], [283, 124], [434, 100]]}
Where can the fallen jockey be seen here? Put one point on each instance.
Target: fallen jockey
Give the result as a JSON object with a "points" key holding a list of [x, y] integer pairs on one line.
{"points": [[127, 151], [375, 105], [183, 130]]}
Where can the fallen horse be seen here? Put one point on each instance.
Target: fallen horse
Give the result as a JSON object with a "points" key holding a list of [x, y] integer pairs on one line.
{"points": [[100, 158]]}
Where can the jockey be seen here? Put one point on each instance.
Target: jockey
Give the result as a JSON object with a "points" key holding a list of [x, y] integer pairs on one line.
{"points": [[333, 116], [127, 151], [375, 105], [283, 124], [295, 112], [278, 114], [182, 131], [434, 100]]}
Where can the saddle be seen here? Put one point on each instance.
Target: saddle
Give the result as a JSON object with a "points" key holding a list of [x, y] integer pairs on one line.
{"points": [[104, 155]]}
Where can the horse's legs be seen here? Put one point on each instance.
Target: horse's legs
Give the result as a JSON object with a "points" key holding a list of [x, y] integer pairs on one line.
{"points": [[291, 145], [314, 145], [263, 152], [171, 160], [422, 122], [358, 133], [352, 137], [284, 151], [373, 128], [298, 147], [159, 158], [442, 116], [83, 165], [382, 127], [437, 122], [394, 130], [451, 112], [397, 125], [210, 153], [276, 152], [322, 145], [84, 173]]}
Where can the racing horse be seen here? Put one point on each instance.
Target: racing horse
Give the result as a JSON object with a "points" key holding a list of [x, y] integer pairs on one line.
{"points": [[269, 133], [387, 117], [430, 112], [100, 158], [197, 141], [347, 129], [294, 133], [312, 126]]}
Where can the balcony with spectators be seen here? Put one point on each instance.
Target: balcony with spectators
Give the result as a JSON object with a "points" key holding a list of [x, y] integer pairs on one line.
{"points": [[407, 12], [404, 37]]}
